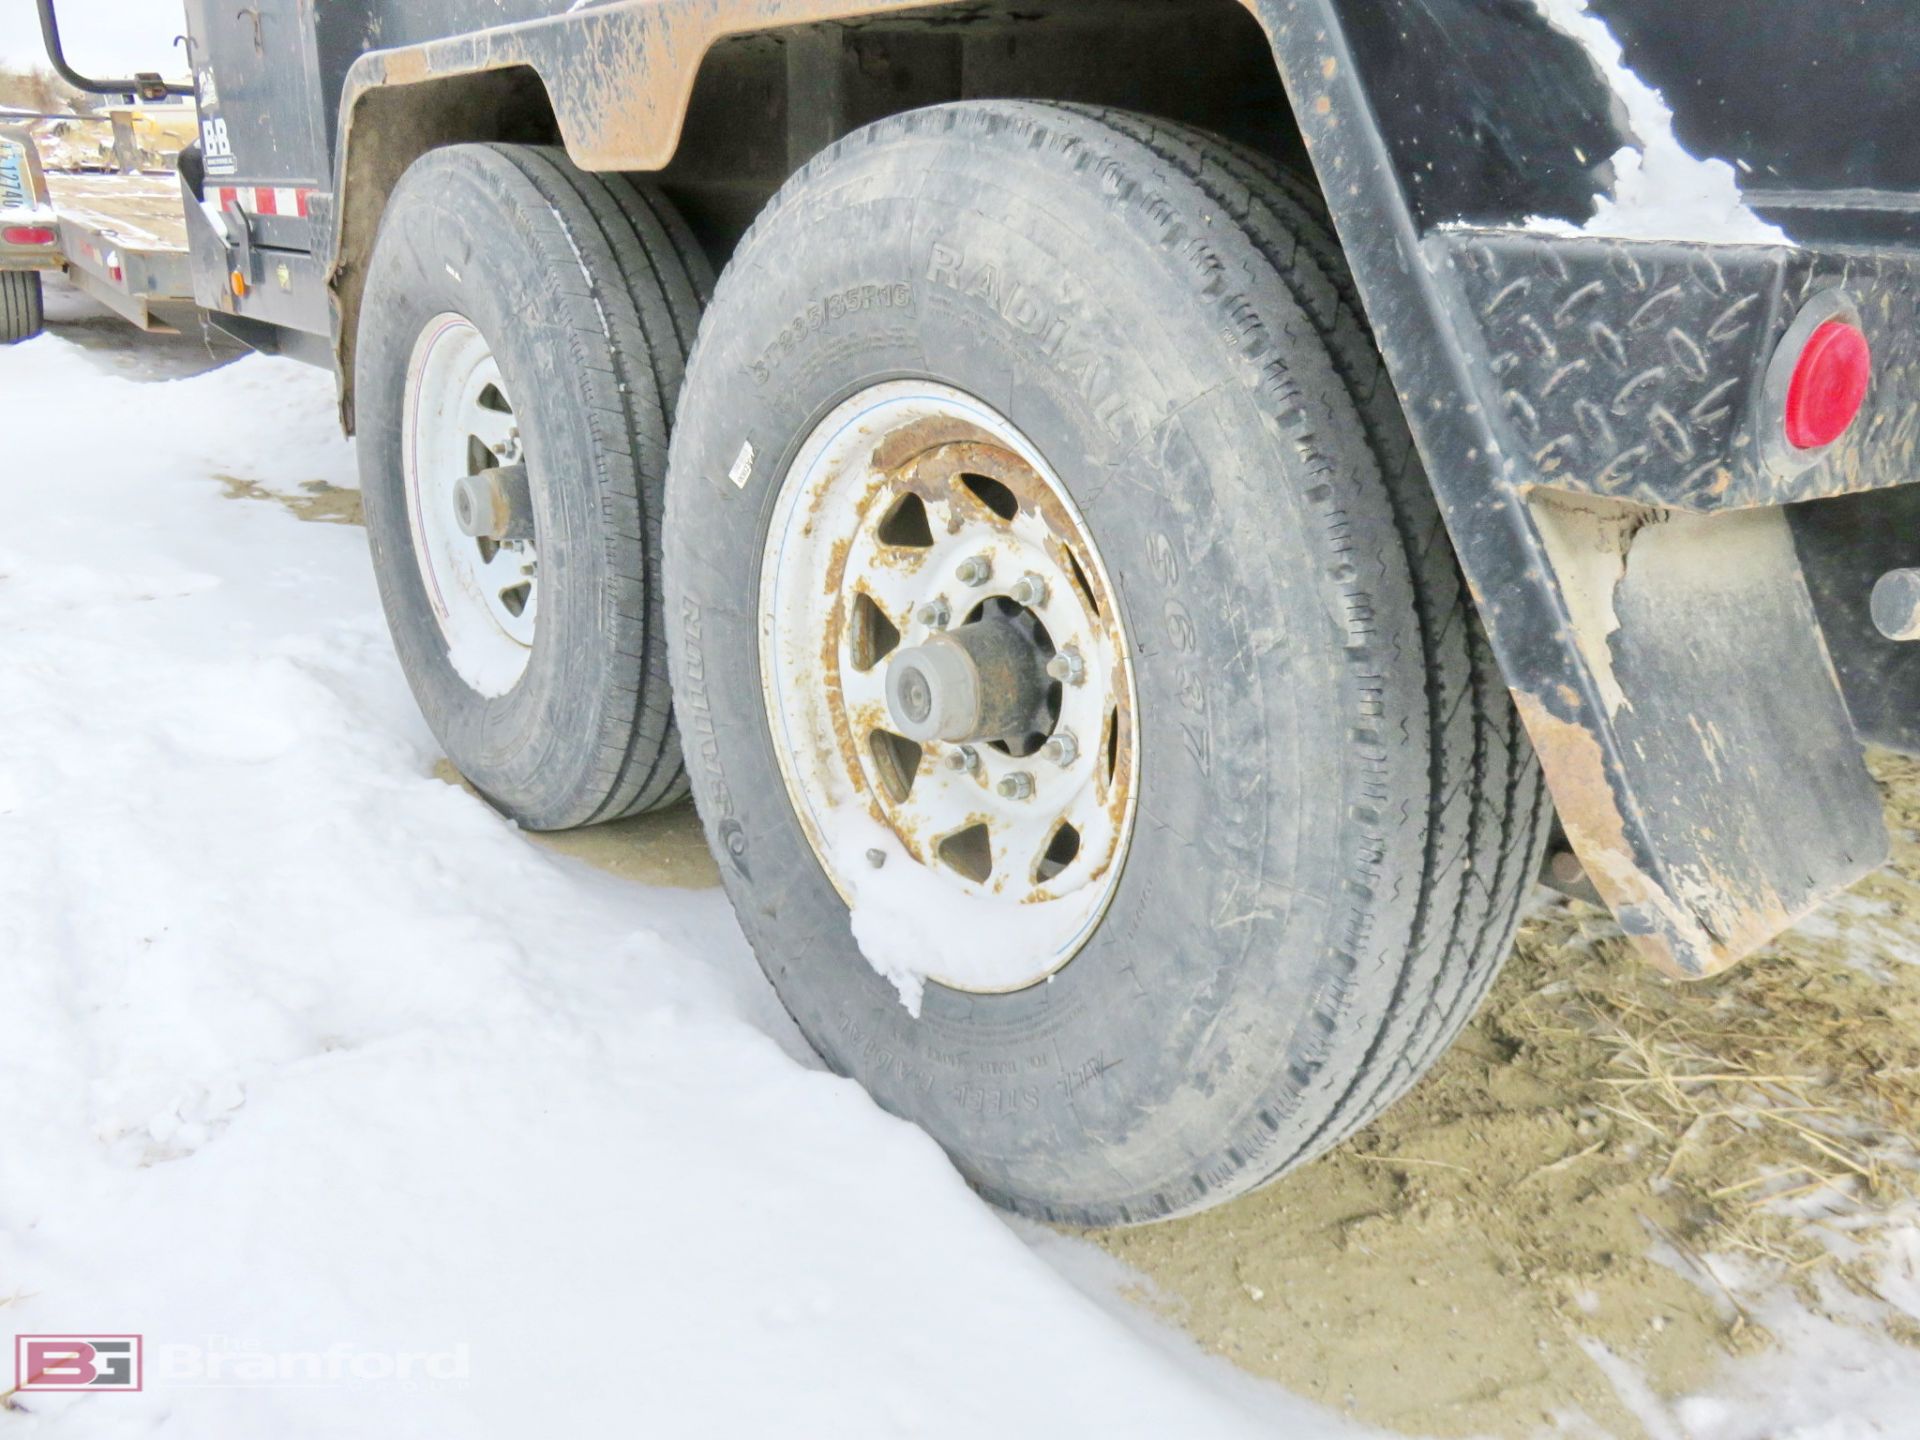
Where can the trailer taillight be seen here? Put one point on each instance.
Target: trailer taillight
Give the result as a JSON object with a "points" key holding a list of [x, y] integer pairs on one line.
{"points": [[28, 235], [1829, 384]]}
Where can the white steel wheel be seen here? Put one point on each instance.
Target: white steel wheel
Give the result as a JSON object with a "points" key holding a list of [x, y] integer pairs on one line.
{"points": [[472, 529], [949, 686]]}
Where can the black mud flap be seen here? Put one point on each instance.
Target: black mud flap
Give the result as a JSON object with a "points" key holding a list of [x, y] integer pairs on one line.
{"points": [[1718, 792], [1662, 642]]}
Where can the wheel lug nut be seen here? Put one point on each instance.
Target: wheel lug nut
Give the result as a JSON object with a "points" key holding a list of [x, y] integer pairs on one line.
{"points": [[934, 614], [1062, 749], [975, 570], [1030, 591], [1067, 667], [1017, 786], [965, 758], [876, 858]]}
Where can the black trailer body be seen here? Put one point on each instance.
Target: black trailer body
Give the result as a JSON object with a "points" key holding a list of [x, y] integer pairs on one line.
{"points": [[1593, 240]]}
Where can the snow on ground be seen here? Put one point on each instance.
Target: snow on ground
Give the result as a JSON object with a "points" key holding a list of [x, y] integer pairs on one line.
{"points": [[376, 1120]]}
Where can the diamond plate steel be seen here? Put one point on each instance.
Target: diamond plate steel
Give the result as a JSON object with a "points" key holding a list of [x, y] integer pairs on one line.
{"points": [[1632, 369]]}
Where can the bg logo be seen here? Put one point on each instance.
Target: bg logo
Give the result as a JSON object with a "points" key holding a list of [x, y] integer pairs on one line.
{"points": [[76, 1362]]}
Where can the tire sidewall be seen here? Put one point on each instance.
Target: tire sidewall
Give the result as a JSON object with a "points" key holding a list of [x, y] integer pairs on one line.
{"points": [[456, 238], [1198, 1007]]}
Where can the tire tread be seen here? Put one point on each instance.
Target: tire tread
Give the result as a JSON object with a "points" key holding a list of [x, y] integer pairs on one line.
{"points": [[1486, 798], [646, 279], [22, 306]]}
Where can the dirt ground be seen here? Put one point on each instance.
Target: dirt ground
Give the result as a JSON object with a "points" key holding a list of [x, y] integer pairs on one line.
{"points": [[317, 500], [1607, 1165], [664, 849], [1452, 1271]]}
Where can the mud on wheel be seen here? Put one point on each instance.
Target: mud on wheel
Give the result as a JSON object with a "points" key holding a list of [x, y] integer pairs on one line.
{"points": [[1074, 677]]}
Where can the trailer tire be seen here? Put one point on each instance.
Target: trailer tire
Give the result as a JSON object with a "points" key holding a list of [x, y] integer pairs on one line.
{"points": [[22, 312], [1338, 814], [522, 313]]}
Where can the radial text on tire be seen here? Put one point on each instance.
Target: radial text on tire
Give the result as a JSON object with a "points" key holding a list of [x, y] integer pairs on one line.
{"points": [[993, 382], [522, 341]]}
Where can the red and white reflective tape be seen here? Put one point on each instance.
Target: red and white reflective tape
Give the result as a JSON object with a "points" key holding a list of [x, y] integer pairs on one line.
{"points": [[109, 262], [265, 199]]}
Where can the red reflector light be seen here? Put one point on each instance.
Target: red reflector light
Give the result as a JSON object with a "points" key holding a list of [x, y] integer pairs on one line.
{"points": [[28, 235], [1829, 385]]}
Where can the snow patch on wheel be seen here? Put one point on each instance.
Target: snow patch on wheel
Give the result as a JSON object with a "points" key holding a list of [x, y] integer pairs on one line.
{"points": [[911, 924]]}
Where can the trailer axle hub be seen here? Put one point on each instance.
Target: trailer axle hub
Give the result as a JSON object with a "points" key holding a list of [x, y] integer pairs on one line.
{"points": [[984, 681]]}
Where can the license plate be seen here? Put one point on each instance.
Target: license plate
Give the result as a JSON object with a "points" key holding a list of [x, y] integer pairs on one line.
{"points": [[14, 193]]}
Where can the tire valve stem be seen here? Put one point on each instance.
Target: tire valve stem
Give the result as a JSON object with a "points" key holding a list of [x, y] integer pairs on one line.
{"points": [[1017, 786], [1067, 667], [975, 570], [1061, 748]]}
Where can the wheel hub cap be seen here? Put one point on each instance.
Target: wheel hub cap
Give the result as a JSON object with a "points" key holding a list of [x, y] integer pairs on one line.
{"points": [[985, 681]]}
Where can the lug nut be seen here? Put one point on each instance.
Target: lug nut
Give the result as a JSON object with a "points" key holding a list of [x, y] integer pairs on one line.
{"points": [[1030, 590], [1061, 748], [965, 758], [876, 858], [934, 614], [1017, 786], [1067, 667], [975, 570]]}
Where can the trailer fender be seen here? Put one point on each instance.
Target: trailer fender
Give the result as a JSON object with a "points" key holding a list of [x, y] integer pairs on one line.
{"points": [[618, 77]]}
